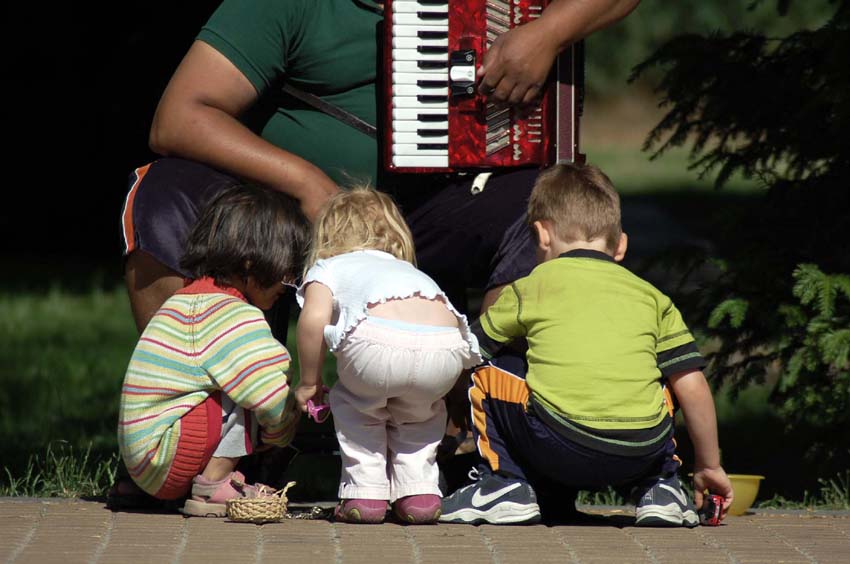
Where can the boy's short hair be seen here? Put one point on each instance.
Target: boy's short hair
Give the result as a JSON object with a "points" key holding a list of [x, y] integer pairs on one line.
{"points": [[247, 230], [580, 201]]}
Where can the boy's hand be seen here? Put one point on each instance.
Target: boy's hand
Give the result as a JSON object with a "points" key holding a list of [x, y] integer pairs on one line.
{"points": [[304, 393], [715, 481]]}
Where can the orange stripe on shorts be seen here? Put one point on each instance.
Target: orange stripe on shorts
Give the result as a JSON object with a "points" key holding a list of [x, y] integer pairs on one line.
{"points": [[499, 385], [127, 214]]}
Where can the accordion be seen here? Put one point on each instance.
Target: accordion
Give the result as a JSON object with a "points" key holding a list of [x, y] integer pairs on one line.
{"points": [[435, 119]]}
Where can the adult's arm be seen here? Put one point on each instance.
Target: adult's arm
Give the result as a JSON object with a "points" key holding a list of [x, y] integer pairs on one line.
{"points": [[517, 64], [198, 118]]}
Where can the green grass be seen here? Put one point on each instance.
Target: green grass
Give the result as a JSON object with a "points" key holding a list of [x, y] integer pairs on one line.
{"points": [[62, 357], [832, 494], [608, 496], [62, 472]]}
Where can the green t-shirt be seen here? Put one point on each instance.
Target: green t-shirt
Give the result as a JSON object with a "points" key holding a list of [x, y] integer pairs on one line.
{"points": [[599, 340], [324, 47]]}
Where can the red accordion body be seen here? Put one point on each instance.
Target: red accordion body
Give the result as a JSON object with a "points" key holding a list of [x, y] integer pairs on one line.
{"points": [[437, 121]]}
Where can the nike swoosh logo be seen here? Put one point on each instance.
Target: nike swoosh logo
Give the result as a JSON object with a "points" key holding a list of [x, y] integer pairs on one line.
{"points": [[677, 493], [478, 500]]}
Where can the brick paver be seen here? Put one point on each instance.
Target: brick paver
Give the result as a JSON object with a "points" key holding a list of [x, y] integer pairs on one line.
{"points": [[69, 531]]}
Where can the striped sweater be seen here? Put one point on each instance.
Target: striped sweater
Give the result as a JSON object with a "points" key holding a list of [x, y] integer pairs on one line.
{"points": [[203, 339]]}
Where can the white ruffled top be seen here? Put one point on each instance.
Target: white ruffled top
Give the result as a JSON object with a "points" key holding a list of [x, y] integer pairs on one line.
{"points": [[362, 278]]}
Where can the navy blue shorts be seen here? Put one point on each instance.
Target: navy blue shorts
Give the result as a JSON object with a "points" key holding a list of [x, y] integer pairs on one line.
{"points": [[463, 240]]}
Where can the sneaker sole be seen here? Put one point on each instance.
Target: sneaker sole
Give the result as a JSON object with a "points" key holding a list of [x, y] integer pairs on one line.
{"points": [[665, 516], [502, 514], [356, 517], [428, 518], [202, 509]]}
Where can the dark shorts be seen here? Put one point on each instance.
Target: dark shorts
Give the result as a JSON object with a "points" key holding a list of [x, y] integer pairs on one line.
{"points": [[463, 240], [163, 203]]}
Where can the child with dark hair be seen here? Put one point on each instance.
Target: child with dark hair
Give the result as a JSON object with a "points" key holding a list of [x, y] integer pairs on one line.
{"points": [[588, 406], [207, 376]]}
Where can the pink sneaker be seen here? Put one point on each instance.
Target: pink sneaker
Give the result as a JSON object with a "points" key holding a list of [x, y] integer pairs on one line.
{"points": [[209, 499], [418, 509], [361, 511]]}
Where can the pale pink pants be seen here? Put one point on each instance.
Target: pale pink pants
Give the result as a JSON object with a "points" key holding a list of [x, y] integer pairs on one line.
{"points": [[388, 408]]}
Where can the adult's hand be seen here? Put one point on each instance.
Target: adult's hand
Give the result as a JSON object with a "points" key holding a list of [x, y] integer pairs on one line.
{"points": [[517, 64]]}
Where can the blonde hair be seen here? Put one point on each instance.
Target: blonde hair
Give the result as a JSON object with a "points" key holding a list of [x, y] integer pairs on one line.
{"points": [[580, 201], [359, 219]]}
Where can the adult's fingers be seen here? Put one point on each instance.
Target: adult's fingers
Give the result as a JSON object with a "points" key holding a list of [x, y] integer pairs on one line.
{"points": [[490, 72], [532, 95], [490, 83], [503, 91]]}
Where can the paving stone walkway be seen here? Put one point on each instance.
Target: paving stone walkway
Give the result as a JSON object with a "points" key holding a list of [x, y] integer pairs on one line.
{"points": [[68, 531]]}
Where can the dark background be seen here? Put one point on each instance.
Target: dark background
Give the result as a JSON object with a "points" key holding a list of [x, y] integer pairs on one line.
{"points": [[82, 83]]}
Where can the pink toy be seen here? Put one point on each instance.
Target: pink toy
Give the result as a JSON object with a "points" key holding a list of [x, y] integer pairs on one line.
{"points": [[320, 412]]}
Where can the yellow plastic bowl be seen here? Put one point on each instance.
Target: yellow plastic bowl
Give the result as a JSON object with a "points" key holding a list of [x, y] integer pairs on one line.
{"points": [[746, 488]]}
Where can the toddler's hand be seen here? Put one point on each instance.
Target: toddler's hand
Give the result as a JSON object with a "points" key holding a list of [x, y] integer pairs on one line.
{"points": [[304, 393], [715, 481]]}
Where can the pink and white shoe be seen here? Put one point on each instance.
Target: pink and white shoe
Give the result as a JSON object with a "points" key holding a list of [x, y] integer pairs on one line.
{"points": [[209, 498]]}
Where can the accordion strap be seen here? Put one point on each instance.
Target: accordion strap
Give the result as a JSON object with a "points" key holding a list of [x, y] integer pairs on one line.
{"points": [[344, 116]]}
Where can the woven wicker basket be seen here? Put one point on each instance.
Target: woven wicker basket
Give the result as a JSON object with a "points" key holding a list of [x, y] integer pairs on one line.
{"points": [[259, 509]]}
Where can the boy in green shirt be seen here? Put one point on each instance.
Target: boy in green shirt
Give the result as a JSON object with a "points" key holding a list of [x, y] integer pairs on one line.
{"points": [[587, 407]]}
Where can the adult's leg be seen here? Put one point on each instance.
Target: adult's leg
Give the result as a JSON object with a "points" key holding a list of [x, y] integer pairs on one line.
{"points": [[149, 284]]}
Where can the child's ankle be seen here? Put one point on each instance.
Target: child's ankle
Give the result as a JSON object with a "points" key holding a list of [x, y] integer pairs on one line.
{"points": [[201, 479], [219, 468]]}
